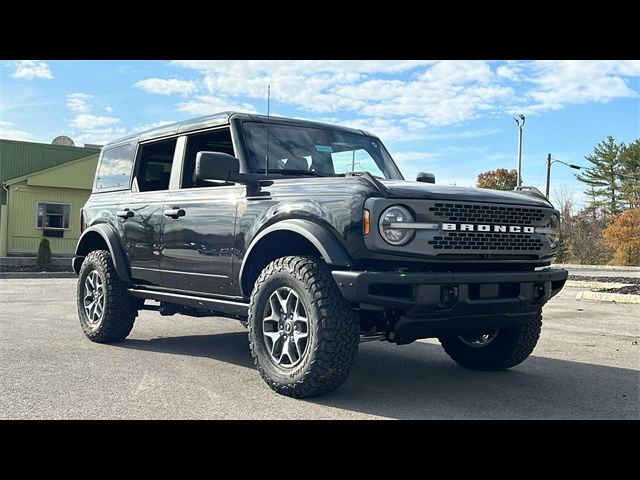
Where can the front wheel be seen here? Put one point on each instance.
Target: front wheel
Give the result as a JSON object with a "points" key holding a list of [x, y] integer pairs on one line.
{"points": [[106, 311], [303, 334], [494, 350]]}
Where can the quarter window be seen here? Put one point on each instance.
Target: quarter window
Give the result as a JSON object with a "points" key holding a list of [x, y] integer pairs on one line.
{"points": [[115, 168]]}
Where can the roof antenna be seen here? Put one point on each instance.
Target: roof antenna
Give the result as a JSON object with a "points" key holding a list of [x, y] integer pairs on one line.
{"points": [[266, 160]]}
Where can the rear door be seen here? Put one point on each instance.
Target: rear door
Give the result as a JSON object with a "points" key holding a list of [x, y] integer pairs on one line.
{"points": [[199, 225], [141, 210]]}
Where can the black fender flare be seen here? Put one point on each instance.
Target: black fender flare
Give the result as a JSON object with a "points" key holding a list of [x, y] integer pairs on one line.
{"points": [[332, 252], [110, 237]]}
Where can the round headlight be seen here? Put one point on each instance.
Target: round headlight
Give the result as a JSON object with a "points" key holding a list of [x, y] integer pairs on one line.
{"points": [[553, 237], [390, 218]]}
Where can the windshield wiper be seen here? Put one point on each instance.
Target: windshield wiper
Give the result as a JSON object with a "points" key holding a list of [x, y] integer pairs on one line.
{"points": [[285, 171]]}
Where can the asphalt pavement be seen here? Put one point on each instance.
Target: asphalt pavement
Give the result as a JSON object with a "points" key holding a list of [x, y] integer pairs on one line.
{"points": [[586, 366]]}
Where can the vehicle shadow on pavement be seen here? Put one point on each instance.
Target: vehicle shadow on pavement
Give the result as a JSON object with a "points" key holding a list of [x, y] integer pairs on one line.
{"points": [[419, 381], [227, 347]]}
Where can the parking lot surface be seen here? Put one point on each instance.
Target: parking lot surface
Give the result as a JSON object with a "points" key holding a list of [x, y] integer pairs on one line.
{"points": [[586, 366]]}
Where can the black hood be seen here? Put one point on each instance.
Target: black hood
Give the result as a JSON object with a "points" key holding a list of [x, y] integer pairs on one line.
{"points": [[406, 189]]}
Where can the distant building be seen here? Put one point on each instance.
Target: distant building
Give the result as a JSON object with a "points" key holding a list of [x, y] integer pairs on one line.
{"points": [[43, 189]]}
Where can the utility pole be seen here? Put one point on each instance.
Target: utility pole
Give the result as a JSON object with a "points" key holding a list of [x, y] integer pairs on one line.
{"points": [[520, 119], [551, 162], [548, 175]]}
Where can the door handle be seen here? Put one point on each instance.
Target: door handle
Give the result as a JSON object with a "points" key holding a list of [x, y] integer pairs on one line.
{"points": [[126, 213], [175, 212]]}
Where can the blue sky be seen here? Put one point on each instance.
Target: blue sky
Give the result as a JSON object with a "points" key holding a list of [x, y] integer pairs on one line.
{"points": [[451, 118]]}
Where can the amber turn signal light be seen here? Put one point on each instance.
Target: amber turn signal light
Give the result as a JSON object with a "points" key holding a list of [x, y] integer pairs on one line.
{"points": [[366, 222]]}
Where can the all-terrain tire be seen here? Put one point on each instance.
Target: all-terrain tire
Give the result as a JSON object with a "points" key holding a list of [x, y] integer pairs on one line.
{"points": [[510, 346], [333, 328], [120, 309]]}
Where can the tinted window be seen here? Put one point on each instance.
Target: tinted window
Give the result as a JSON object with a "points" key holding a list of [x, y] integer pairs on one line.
{"points": [[218, 140], [114, 172], [154, 165], [296, 150]]}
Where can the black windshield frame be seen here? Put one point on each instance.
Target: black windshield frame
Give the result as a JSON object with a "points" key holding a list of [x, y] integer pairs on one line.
{"points": [[313, 143]]}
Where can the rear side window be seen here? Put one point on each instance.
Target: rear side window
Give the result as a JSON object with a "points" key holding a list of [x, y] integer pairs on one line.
{"points": [[154, 166], [114, 172]]}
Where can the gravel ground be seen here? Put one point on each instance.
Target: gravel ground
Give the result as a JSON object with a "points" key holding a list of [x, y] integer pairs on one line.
{"points": [[629, 290]]}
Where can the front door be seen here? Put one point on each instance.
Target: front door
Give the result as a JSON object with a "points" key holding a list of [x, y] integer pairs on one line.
{"points": [[197, 251], [197, 240]]}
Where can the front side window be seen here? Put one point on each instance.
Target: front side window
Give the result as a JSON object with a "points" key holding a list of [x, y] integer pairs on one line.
{"points": [[114, 172], [218, 140], [302, 150], [55, 216]]}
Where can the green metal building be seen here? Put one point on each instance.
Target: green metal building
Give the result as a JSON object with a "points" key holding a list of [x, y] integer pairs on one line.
{"points": [[43, 189]]}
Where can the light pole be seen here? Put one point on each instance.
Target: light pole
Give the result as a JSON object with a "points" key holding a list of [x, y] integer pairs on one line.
{"points": [[550, 162], [520, 122]]}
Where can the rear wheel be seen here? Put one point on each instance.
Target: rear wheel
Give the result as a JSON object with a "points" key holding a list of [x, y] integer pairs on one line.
{"points": [[106, 311], [494, 350], [303, 334]]}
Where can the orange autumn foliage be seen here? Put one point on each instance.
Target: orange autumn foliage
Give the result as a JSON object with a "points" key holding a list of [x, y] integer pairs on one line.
{"points": [[623, 236]]}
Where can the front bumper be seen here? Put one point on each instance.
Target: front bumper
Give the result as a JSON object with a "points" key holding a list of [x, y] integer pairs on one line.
{"points": [[432, 304]]}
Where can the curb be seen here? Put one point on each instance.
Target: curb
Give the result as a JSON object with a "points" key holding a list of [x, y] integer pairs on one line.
{"points": [[590, 284], [25, 275], [608, 297]]}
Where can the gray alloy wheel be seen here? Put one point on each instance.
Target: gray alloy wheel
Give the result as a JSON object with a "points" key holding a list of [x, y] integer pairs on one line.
{"points": [[285, 327], [94, 298], [105, 308]]}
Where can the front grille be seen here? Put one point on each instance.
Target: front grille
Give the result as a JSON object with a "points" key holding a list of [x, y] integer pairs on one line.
{"points": [[486, 241], [464, 212]]}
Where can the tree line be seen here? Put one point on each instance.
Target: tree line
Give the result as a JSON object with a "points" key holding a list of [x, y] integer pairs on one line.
{"points": [[607, 229]]}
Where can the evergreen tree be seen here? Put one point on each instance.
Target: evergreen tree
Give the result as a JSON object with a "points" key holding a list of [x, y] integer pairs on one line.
{"points": [[630, 177], [43, 260], [603, 177]]}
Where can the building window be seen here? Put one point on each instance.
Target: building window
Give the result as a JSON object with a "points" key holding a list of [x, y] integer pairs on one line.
{"points": [[55, 216]]}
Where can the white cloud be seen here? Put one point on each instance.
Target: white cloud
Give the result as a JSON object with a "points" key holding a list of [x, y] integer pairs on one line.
{"points": [[509, 72], [9, 132], [92, 128], [79, 102], [207, 104], [420, 94], [430, 93], [100, 136], [558, 83], [30, 69], [166, 86], [88, 121], [152, 125]]}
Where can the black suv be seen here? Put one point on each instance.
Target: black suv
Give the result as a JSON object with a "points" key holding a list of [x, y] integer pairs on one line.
{"points": [[309, 235]]}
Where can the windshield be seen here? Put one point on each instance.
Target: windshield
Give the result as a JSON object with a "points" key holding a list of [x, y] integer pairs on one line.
{"points": [[300, 150]]}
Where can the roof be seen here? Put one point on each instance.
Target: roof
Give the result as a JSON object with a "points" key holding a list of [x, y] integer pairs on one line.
{"points": [[77, 174], [224, 118], [18, 158]]}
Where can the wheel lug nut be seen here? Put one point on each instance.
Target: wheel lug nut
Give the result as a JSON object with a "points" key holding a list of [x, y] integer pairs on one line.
{"points": [[281, 327], [295, 327]]}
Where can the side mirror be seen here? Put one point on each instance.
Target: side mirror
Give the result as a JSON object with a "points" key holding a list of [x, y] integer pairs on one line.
{"points": [[426, 177], [214, 168]]}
